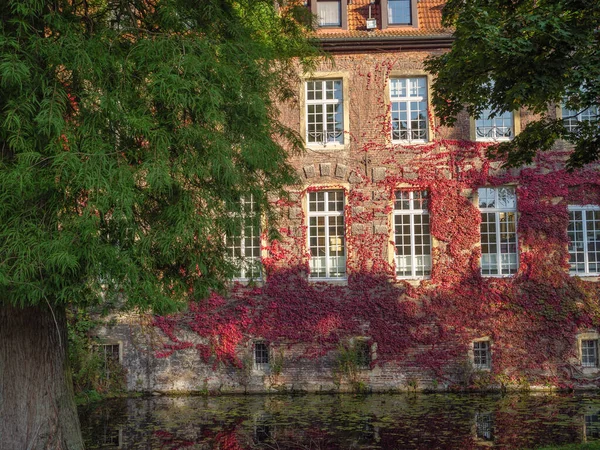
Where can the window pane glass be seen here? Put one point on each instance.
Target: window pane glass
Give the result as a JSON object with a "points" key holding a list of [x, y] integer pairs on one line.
{"points": [[329, 13], [399, 12], [411, 234]]}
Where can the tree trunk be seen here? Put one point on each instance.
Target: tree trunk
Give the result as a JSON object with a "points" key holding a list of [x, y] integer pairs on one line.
{"points": [[37, 405]]}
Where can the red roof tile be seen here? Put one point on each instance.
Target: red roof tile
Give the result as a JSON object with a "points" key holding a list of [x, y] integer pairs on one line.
{"points": [[429, 22]]}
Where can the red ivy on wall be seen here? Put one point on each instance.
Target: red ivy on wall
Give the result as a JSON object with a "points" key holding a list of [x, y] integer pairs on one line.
{"points": [[532, 317]]}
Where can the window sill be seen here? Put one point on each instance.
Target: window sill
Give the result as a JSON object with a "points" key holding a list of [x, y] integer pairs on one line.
{"points": [[509, 275], [493, 140], [338, 281], [320, 147], [413, 281], [586, 276], [247, 281], [410, 142], [590, 370]]}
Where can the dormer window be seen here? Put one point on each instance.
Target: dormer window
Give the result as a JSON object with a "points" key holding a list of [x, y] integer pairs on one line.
{"points": [[331, 13], [398, 13]]}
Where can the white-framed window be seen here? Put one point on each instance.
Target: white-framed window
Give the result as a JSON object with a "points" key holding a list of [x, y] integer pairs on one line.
{"points": [[484, 426], [571, 119], [499, 250], [412, 237], [589, 352], [111, 357], [399, 12], [324, 112], [261, 355], [499, 128], [326, 234], [243, 245], [584, 239], [329, 13], [408, 98], [482, 355]]}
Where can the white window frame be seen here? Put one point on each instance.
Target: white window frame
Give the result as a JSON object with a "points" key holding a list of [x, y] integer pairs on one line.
{"points": [[261, 366], [585, 362], [326, 214], [498, 212], [585, 211], [497, 124], [320, 18], [385, 16], [411, 213], [246, 243], [488, 354], [324, 103], [571, 119], [411, 105]]}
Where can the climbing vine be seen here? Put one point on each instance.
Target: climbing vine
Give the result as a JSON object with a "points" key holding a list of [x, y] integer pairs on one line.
{"points": [[532, 318]]}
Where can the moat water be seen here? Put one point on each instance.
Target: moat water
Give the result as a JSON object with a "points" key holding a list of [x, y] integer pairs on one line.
{"points": [[378, 421]]}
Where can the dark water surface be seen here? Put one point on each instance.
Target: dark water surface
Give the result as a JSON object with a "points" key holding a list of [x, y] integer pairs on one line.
{"points": [[378, 421]]}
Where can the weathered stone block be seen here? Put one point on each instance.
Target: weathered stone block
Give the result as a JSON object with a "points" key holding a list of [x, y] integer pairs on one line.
{"points": [[325, 169], [341, 170], [379, 195], [358, 210], [355, 178], [410, 175], [295, 212], [309, 171], [358, 228], [380, 229], [378, 174]]}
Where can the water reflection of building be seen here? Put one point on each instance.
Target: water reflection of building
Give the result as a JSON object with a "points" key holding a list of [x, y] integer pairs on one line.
{"points": [[262, 428], [484, 426], [591, 426], [111, 437]]}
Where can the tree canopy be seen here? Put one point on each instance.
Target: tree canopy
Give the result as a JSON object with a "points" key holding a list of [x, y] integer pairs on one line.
{"points": [[533, 54], [128, 128]]}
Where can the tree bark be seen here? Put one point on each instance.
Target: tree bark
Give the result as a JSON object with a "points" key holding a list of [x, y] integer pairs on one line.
{"points": [[37, 405]]}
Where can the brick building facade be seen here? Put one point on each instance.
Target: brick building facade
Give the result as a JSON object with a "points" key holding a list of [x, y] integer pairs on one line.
{"points": [[408, 260]]}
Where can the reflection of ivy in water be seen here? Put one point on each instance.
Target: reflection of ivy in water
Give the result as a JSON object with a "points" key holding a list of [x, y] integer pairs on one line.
{"points": [[383, 421]]}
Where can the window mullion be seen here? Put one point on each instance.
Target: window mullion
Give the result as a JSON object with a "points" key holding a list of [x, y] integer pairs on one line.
{"points": [[585, 242], [408, 124], [243, 247], [327, 247], [498, 241], [412, 241]]}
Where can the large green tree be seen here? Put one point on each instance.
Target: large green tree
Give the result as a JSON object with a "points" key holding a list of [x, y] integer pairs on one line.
{"points": [[509, 54], [128, 128]]}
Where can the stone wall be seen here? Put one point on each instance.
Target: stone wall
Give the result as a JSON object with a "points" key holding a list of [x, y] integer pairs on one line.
{"points": [[420, 331]]}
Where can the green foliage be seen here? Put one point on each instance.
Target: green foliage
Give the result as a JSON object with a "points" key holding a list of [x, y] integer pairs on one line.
{"points": [[94, 376], [125, 129], [351, 359], [536, 53]]}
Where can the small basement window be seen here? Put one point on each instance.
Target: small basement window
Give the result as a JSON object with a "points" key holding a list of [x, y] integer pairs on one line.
{"points": [[111, 352], [261, 355], [589, 352], [362, 347], [482, 356]]}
